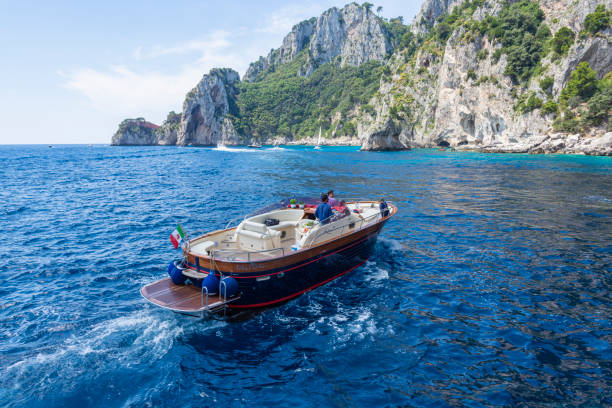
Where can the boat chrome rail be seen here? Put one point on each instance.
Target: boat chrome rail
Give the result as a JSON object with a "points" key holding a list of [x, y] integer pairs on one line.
{"points": [[235, 255], [324, 231], [230, 222]]}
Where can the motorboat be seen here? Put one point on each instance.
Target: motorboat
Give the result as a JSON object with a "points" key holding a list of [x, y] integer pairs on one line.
{"points": [[270, 257], [254, 146]]}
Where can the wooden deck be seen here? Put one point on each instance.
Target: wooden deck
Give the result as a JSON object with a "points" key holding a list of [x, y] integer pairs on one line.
{"points": [[180, 298]]}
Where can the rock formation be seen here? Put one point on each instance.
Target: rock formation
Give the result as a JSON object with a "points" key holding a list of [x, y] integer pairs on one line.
{"points": [[205, 108], [135, 132], [354, 34], [461, 95], [447, 80]]}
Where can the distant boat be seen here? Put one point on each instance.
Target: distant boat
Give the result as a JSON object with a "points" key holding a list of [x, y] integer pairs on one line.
{"points": [[318, 145], [254, 146]]}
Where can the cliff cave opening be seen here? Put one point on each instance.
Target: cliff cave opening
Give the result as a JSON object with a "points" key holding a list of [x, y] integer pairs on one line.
{"points": [[443, 143], [196, 120]]}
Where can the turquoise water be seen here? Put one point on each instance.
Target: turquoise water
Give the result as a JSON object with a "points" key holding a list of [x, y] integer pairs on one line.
{"points": [[491, 287]]}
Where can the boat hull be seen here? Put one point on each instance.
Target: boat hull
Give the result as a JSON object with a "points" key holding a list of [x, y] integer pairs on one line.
{"points": [[278, 286], [272, 282]]}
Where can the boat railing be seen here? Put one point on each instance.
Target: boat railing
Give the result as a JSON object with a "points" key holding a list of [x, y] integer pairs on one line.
{"points": [[227, 253], [324, 231], [230, 222]]}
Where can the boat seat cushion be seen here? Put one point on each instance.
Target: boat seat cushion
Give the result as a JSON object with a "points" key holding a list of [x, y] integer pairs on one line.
{"points": [[201, 248], [254, 227], [251, 234]]}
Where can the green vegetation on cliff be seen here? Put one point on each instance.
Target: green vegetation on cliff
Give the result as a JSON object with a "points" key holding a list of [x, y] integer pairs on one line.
{"points": [[283, 103], [523, 35], [598, 20], [585, 100]]}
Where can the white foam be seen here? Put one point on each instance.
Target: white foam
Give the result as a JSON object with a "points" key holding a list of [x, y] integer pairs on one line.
{"points": [[223, 148], [378, 273], [150, 336], [393, 244]]}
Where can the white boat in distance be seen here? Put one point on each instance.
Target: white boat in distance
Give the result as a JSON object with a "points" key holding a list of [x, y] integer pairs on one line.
{"points": [[318, 145]]}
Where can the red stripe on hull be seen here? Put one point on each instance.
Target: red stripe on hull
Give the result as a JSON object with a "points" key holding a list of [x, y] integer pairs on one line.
{"points": [[297, 293]]}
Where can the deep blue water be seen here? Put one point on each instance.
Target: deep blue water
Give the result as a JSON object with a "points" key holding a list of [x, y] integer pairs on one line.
{"points": [[491, 287]]}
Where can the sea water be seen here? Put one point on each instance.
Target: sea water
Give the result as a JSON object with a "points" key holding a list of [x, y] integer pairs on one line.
{"points": [[491, 286]]}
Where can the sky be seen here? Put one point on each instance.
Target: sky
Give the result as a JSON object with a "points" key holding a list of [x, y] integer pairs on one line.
{"points": [[70, 72]]}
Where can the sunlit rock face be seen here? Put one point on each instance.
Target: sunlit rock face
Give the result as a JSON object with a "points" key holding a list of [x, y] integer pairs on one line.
{"points": [[462, 98], [203, 121], [354, 34]]}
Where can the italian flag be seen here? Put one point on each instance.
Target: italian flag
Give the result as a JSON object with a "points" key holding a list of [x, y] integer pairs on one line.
{"points": [[177, 236]]}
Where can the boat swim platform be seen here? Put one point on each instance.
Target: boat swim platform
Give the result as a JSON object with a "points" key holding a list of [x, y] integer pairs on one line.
{"points": [[186, 299]]}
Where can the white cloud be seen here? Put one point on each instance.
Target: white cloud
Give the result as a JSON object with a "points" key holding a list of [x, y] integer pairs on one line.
{"points": [[152, 92], [215, 41], [120, 89], [282, 20]]}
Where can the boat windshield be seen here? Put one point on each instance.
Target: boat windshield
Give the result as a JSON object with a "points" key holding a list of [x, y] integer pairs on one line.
{"points": [[309, 201]]}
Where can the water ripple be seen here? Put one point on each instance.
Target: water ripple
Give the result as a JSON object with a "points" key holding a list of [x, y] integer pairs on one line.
{"points": [[491, 287]]}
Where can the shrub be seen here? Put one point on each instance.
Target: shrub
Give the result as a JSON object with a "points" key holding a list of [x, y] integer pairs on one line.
{"points": [[482, 80], [497, 54], [599, 107], [582, 83], [471, 74], [443, 31], [546, 83], [520, 29], [550, 106], [563, 40], [573, 102], [482, 54], [600, 103], [528, 102], [533, 103], [567, 123], [598, 20]]}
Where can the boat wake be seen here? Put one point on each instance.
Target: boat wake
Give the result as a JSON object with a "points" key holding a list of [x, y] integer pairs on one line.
{"points": [[130, 341], [223, 148]]}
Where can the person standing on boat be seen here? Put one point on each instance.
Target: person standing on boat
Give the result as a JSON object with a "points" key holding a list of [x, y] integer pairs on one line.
{"points": [[384, 209], [332, 201], [323, 211]]}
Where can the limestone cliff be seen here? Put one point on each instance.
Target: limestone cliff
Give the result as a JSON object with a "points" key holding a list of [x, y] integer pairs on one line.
{"points": [[204, 121], [488, 75], [460, 92], [167, 134], [354, 34], [135, 132]]}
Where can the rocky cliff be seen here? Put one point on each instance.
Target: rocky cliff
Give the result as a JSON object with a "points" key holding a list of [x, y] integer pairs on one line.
{"points": [[135, 132], [489, 75], [206, 106], [468, 86], [354, 34]]}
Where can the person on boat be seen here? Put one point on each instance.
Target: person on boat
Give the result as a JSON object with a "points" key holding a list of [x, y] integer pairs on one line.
{"points": [[323, 211], [343, 209], [384, 208], [332, 201]]}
